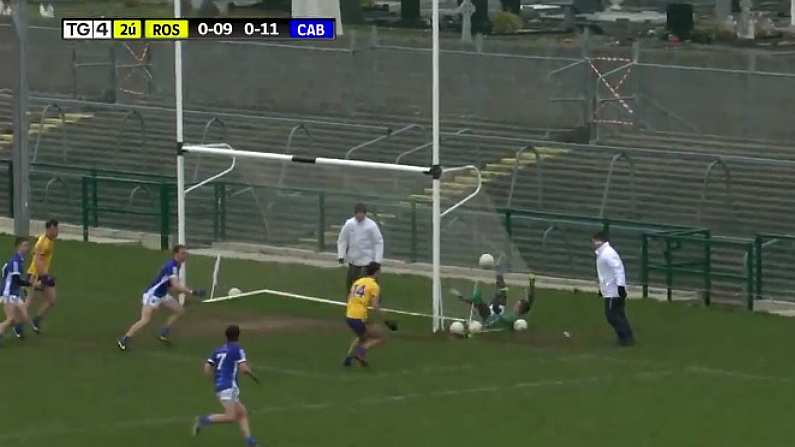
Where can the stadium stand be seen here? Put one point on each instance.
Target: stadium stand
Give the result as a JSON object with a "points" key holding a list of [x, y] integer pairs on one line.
{"points": [[655, 177]]}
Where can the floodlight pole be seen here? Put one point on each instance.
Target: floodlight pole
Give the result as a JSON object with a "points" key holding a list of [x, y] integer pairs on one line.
{"points": [[21, 155], [180, 140], [436, 194]]}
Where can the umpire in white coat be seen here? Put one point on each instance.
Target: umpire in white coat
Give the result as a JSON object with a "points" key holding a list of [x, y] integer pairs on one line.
{"points": [[613, 288], [360, 242]]}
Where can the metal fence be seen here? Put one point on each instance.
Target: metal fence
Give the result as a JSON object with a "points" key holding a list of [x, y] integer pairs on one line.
{"points": [[693, 136]]}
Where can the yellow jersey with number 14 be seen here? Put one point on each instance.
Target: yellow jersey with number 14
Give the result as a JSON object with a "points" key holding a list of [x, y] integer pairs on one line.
{"points": [[44, 247], [361, 296]]}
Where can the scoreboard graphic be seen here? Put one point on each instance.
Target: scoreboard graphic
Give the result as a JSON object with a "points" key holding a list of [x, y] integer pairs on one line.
{"points": [[199, 29]]}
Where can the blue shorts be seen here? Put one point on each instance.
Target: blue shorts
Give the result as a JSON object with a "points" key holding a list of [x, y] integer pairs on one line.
{"points": [[357, 326]]}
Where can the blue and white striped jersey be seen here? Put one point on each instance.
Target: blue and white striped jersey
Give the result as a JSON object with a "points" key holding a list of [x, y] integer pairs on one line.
{"points": [[11, 269], [159, 286], [225, 361]]}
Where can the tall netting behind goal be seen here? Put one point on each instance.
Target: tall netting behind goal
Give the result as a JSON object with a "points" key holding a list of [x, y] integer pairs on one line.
{"points": [[293, 212]]}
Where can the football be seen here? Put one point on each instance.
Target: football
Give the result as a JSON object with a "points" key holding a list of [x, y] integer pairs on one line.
{"points": [[234, 291], [457, 328], [520, 325], [486, 261], [475, 327]]}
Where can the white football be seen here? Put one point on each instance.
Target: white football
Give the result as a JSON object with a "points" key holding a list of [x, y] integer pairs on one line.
{"points": [[457, 328], [486, 261], [234, 291], [520, 325], [475, 327]]}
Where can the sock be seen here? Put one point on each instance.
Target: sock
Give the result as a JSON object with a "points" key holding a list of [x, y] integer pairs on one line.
{"points": [[164, 331], [18, 328], [360, 351], [204, 421], [37, 320], [251, 442], [124, 340]]}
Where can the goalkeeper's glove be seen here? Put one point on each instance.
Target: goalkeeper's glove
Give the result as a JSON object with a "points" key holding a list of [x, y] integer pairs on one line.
{"points": [[199, 293], [622, 291], [391, 324]]}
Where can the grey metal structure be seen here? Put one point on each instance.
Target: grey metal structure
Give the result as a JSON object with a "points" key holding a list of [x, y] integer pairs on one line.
{"points": [[21, 156]]}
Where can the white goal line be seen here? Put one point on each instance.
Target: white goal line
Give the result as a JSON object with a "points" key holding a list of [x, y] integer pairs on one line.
{"points": [[316, 300]]}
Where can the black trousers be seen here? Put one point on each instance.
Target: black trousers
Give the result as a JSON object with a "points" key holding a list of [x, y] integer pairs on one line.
{"points": [[616, 313], [354, 272]]}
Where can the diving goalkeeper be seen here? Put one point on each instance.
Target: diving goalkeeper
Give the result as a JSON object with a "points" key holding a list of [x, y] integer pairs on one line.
{"points": [[494, 314]]}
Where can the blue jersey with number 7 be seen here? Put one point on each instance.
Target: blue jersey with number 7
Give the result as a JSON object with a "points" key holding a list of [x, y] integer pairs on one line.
{"points": [[225, 361]]}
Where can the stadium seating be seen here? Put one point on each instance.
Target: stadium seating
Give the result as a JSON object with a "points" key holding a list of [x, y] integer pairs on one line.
{"points": [[562, 178]]}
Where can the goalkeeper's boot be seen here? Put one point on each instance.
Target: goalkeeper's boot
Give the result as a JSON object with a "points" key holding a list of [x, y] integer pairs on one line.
{"points": [[36, 325]]}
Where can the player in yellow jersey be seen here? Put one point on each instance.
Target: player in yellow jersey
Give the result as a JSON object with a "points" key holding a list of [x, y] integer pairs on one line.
{"points": [[365, 294], [39, 271]]}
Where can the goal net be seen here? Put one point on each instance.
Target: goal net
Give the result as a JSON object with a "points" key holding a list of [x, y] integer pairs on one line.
{"points": [[278, 210]]}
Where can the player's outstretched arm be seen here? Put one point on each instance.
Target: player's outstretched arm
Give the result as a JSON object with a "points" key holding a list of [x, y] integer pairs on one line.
{"points": [[245, 369], [179, 288], [376, 305]]}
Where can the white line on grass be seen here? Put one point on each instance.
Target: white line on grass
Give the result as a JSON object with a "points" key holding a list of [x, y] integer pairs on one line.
{"points": [[735, 374], [60, 430]]}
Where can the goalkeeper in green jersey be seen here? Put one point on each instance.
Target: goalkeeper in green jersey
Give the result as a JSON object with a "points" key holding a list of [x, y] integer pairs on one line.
{"points": [[494, 314]]}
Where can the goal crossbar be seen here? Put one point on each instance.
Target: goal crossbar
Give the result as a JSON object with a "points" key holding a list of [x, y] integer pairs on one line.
{"points": [[230, 152]]}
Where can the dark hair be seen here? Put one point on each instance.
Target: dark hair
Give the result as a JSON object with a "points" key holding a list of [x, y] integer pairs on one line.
{"points": [[178, 248], [18, 241], [372, 268], [51, 223], [232, 333], [600, 236], [360, 208]]}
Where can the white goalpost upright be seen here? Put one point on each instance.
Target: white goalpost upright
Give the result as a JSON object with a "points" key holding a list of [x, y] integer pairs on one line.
{"points": [[435, 170], [181, 237]]}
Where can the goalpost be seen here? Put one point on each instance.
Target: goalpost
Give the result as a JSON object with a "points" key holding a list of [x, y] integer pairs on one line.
{"points": [[434, 172], [462, 226]]}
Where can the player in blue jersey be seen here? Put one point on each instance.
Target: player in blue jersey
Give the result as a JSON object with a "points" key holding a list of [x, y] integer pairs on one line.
{"points": [[12, 282], [161, 291], [223, 366]]}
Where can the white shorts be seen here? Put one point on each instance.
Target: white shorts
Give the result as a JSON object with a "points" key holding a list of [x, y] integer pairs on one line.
{"points": [[229, 395], [151, 300], [11, 299]]}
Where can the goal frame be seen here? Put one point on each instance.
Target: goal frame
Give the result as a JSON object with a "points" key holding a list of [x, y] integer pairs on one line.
{"points": [[435, 170]]}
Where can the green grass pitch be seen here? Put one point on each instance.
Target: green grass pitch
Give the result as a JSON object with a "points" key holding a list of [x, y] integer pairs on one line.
{"points": [[699, 377]]}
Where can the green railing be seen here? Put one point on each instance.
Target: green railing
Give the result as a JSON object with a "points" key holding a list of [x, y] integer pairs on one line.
{"points": [[764, 244], [674, 262], [699, 262], [91, 208]]}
